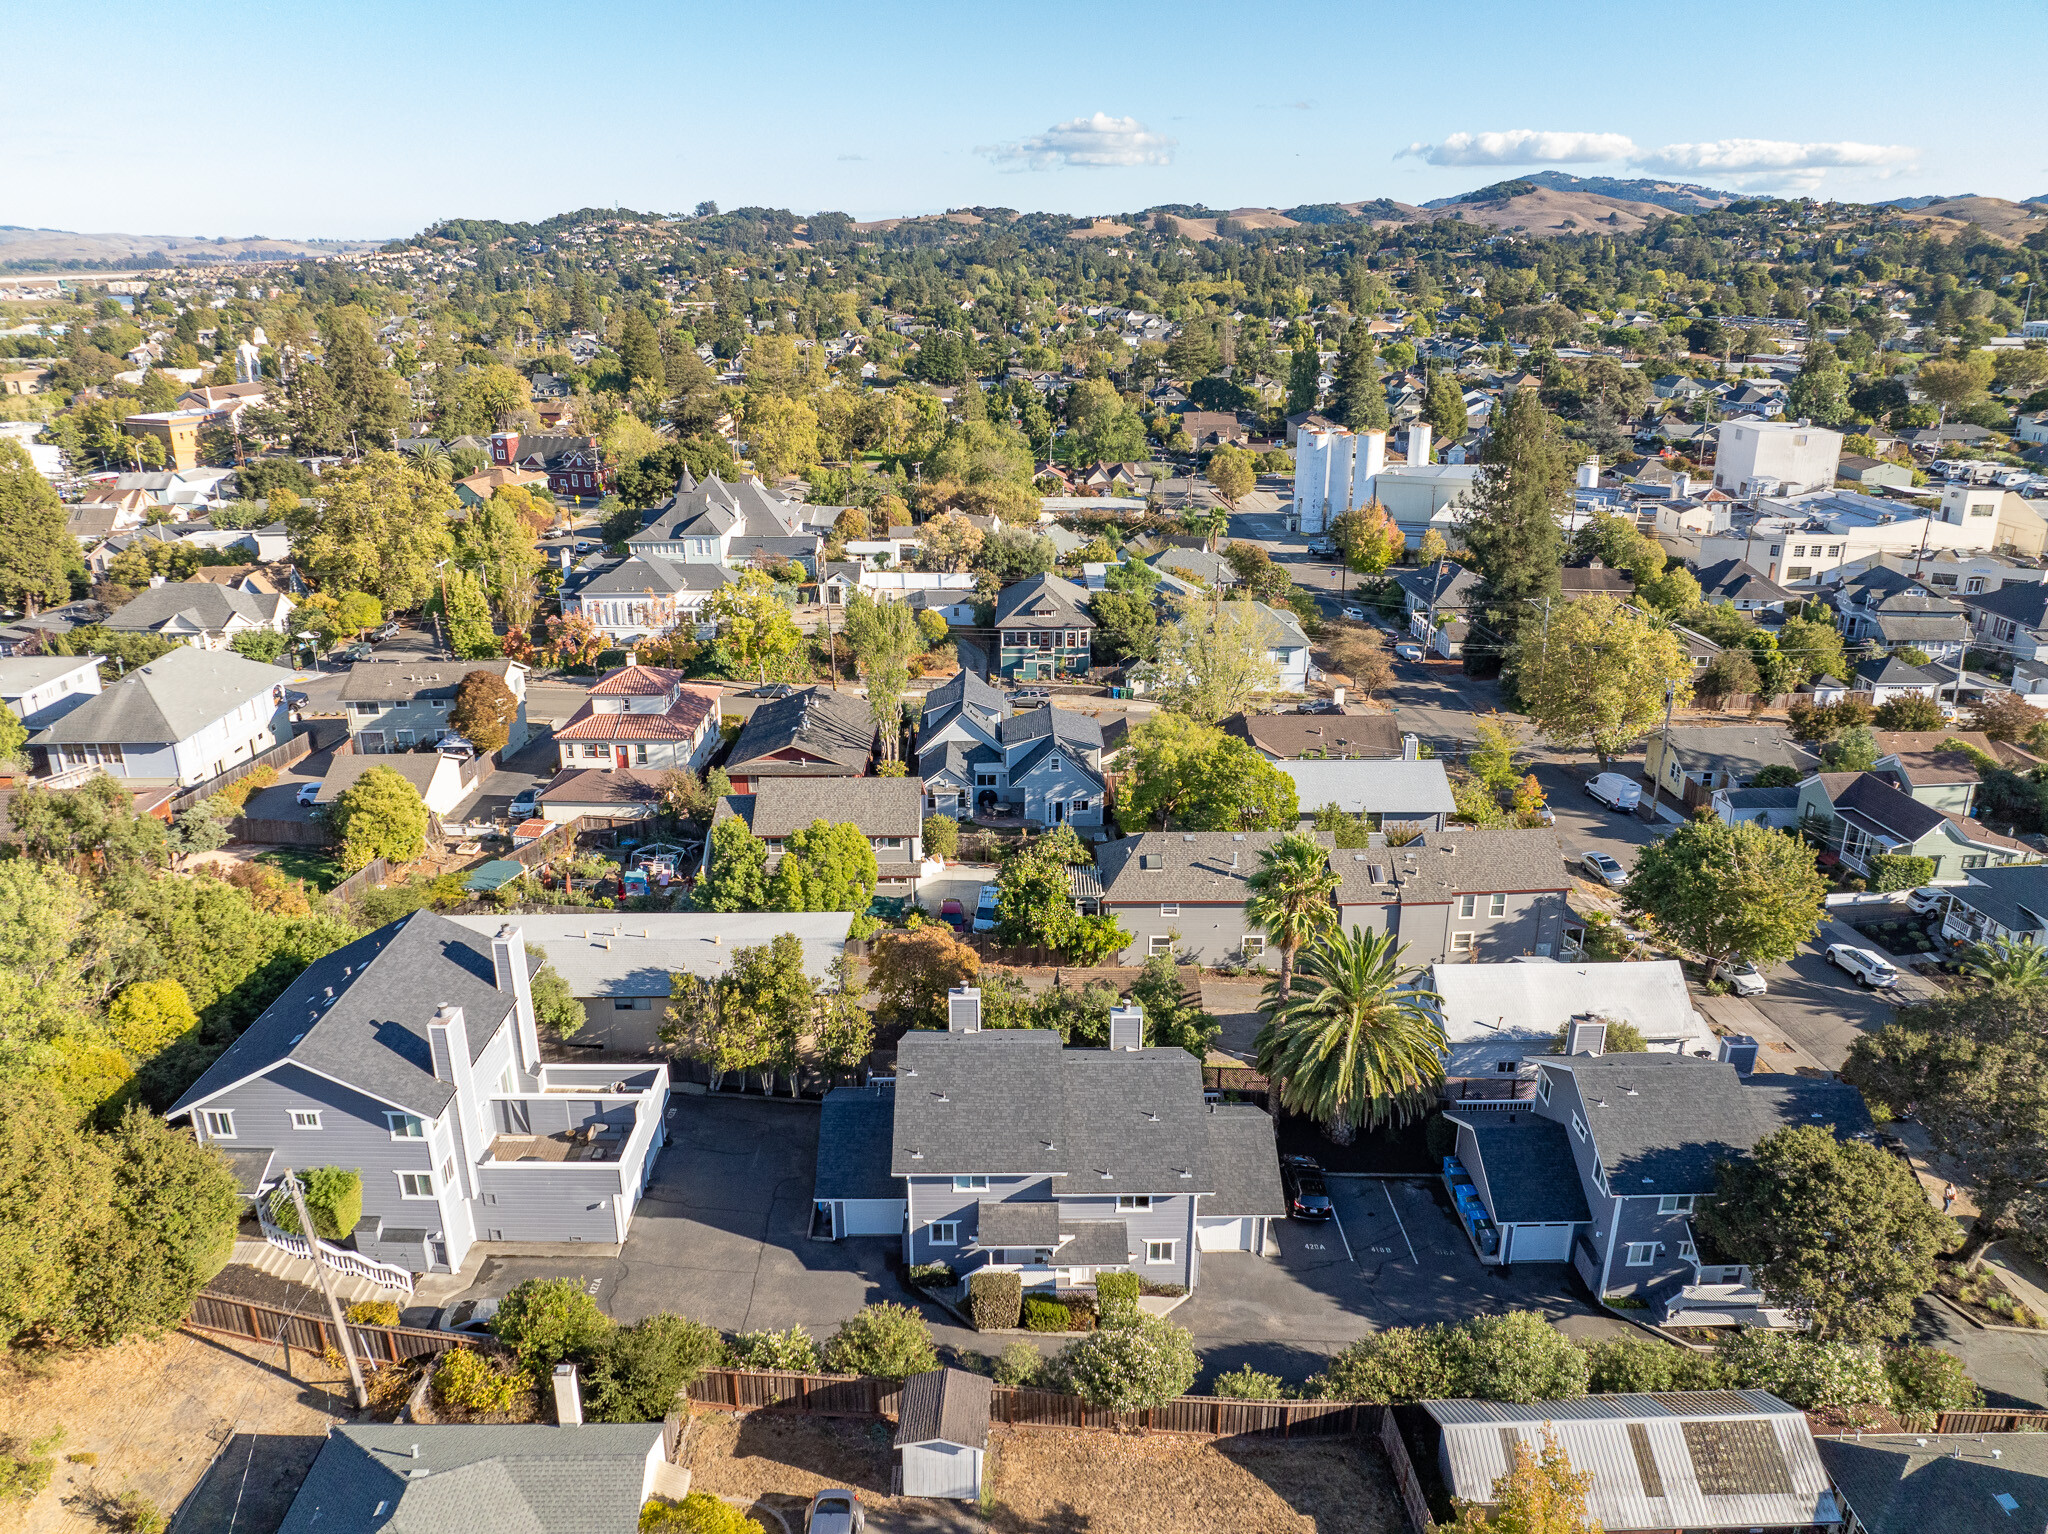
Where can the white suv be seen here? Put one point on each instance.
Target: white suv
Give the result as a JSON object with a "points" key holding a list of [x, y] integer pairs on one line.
{"points": [[1868, 968]]}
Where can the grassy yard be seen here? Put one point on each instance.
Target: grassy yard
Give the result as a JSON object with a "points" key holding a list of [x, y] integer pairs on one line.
{"points": [[312, 864]]}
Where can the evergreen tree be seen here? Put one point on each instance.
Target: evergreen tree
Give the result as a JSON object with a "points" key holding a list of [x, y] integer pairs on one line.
{"points": [[1511, 523], [1443, 406], [640, 350], [35, 551], [582, 308], [1358, 397], [1302, 377]]}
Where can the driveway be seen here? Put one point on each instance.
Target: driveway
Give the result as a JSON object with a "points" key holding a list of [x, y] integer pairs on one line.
{"points": [[1584, 823], [1393, 1256], [1438, 702], [1824, 1011]]}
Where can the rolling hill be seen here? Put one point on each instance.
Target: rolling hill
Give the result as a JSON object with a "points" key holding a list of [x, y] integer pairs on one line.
{"points": [[54, 249], [2002, 220], [1677, 196]]}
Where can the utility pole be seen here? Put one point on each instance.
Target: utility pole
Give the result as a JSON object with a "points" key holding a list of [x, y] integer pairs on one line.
{"points": [[348, 1344], [1664, 756]]}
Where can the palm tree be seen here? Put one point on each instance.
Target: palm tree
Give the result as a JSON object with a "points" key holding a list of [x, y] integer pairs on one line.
{"points": [[1354, 1043], [1288, 897], [2016, 964]]}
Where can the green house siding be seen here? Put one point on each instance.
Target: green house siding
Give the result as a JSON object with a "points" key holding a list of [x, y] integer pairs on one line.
{"points": [[1064, 653]]}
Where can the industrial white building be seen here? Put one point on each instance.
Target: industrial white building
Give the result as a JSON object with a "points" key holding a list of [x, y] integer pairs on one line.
{"points": [[1754, 458], [1337, 471]]}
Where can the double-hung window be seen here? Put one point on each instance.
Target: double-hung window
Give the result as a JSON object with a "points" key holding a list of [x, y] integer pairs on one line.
{"points": [[1128, 1203], [1254, 947], [1496, 905], [1468, 907], [1674, 1203], [971, 1182], [1578, 1126], [220, 1123], [1159, 942]]}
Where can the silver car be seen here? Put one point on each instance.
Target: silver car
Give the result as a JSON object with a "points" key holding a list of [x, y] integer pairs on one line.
{"points": [[835, 1511], [1599, 865]]}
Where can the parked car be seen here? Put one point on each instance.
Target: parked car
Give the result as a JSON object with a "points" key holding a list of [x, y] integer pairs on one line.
{"points": [[470, 1317], [1743, 977], [295, 700], [1356, 614], [387, 632], [584, 545], [1408, 651], [771, 690], [1604, 868], [1545, 815], [1870, 969], [835, 1511], [1031, 695], [1322, 551], [1924, 900], [1308, 1196], [985, 909], [356, 652], [524, 803], [1615, 791], [953, 914], [308, 793]]}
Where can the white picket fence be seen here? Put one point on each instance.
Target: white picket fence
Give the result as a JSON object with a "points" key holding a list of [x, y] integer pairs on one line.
{"points": [[340, 1259]]}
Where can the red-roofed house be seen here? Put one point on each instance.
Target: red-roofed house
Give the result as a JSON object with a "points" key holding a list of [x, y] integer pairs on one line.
{"points": [[641, 716]]}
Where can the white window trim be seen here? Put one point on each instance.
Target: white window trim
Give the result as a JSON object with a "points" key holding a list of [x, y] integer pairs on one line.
{"points": [[1543, 1086], [393, 1121], [1254, 946], [402, 1176], [1674, 1203], [970, 1182], [1497, 905], [1169, 908], [1133, 1202], [1158, 1252], [1468, 907], [1648, 1258], [1461, 942], [943, 1233], [220, 1123], [312, 1115], [1154, 942], [1578, 1126]]}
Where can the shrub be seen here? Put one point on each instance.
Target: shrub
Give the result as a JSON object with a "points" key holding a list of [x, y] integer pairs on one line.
{"points": [[698, 1513], [1128, 1368], [1162, 1291], [1628, 1366], [235, 797], [1080, 1311], [1020, 1364], [334, 1198], [1898, 871], [1247, 1384], [1816, 1376], [1043, 1314], [886, 1340], [931, 1275], [546, 1320], [373, 1313], [26, 1468], [995, 1300], [639, 1370], [133, 1513], [1516, 1357], [941, 836], [1925, 1379], [465, 1381], [1116, 1295], [793, 1351]]}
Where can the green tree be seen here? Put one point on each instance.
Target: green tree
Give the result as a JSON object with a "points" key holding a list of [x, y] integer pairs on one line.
{"points": [[1186, 776], [756, 632], [95, 823], [485, 711], [912, 972], [639, 1371], [1357, 396], [885, 1340], [1820, 395], [2014, 964], [470, 634], [1174, 1018], [1231, 472], [555, 1006], [1367, 538], [698, 1513], [1729, 892], [826, 866], [884, 637], [1104, 425], [1910, 712], [1130, 1368], [1840, 1234], [1126, 627], [767, 1000], [261, 645], [737, 879], [149, 1016], [640, 351], [36, 553], [1215, 660], [1899, 871], [1972, 1068], [1035, 898], [547, 1321], [1511, 521], [1599, 673], [1289, 896], [494, 541], [1443, 406], [1814, 646], [473, 401], [379, 526], [1304, 371], [334, 1198], [941, 836], [1854, 750], [1539, 1494], [380, 815], [1353, 1041]]}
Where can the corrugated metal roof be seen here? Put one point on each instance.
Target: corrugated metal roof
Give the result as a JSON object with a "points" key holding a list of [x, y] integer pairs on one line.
{"points": [[1739, 1458]]}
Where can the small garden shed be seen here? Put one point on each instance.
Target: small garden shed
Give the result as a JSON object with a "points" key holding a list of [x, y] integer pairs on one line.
{"points": [[942, 1433]]}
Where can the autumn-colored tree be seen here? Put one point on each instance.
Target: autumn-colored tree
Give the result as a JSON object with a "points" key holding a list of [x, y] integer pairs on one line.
{"points": [[1540, 1494], [912, 971]]}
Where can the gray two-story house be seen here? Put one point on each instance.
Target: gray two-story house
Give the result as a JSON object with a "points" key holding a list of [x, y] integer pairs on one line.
{"points": [[395, 704], [1004, 1149], [1606, 1166], [1045, 629], [1180, 893], [412, 1056], [1456, 895], [1044, 764], [887, 811]]}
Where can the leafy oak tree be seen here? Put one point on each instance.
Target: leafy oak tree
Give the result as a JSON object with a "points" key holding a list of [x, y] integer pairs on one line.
{"points": [[379, 526], [1729, 892], [1186, 776], [1599, 673], [380, 815]]}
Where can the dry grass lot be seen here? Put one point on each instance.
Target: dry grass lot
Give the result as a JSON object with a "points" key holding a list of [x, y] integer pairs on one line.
{"points": [[149, 1416], [1046, 1481]]}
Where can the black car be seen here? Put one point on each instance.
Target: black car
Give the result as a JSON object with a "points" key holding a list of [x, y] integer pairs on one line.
{"points": [[1308, 1196]]}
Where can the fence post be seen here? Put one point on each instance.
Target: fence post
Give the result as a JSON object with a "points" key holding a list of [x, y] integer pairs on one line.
{"points": [[733, 1379], [254, 1329]]}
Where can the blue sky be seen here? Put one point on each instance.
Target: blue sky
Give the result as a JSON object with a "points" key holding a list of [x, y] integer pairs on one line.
{"points": [[376, 118]]}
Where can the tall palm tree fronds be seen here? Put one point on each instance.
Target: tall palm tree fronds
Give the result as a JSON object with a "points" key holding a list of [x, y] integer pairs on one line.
{"points": [[2018, 964], [1355, 1042], [1288, 896]]}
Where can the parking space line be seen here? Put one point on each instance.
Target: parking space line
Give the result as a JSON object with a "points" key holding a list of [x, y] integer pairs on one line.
{"points": [[1339, 1219], [1397, 1220]]}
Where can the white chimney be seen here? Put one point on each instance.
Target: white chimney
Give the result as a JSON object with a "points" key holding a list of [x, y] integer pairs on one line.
{"points": [[1337, 696], [1585, 1036], [963, 1009], [1127, 1027], [568, 1396], [1589, 474], [508, 965], [632, 657], [1418, 442], [1411, 748]]}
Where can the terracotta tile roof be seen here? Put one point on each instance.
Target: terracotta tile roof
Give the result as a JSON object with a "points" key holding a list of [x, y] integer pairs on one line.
{"points": [[680, 721], [636, 681]]}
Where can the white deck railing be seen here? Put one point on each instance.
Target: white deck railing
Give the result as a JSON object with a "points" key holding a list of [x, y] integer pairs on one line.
{"points": [[340, 1259]]}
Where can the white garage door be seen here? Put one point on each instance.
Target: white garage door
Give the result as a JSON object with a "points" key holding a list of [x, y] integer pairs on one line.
{"points": [[1224, 1235], [871, 1217], [1540, 1243]]}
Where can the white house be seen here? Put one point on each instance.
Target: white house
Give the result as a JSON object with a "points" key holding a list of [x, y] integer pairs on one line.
{"points": [[445, 784], [1755, 457], [41, 689], [641, 716], [187, 716], [201, 613]]}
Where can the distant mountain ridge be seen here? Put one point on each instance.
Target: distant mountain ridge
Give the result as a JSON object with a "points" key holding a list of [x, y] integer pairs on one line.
{"points": [[1678, 196], [62, 250]]}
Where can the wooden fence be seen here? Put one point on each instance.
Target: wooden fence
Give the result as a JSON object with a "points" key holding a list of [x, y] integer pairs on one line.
{"points": [[230, 1316], [847, 1395], [362, 879], [285, 833], [283, 754], [1991, 1422], [1405, 1478]]}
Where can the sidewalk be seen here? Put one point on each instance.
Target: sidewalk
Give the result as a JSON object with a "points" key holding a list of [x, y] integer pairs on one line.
{"points": [[1778, 1054]]}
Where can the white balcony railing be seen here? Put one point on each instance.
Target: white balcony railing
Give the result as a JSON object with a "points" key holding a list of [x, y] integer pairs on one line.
{"points": [[340, 1259]]}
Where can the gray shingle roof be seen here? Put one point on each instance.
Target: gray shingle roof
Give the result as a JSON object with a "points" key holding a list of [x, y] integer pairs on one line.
{"points": [[209, 606], [643, 573], [834, 727], [1455, 862], [1445, 584], [1528, 1167], [1061, 724], [1107, 1243], [1663, 1123], [1741, 749], [945, 1406], [171, 699], [515, 1480], [2015, 897], [390, 681], [854, 1128], [879, 806], [1244, 1163], [1018, 1222], [1181, 865], [1043, 599], [373, 1034], [1736, 580], [1920, 1483], [1391, 787]]}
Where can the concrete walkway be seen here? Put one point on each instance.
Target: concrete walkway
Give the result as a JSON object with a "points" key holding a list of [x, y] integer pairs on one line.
{"points": [[1735, 1014]]}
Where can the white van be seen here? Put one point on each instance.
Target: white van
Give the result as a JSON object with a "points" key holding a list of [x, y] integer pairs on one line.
{"points": [[1616, 791]]}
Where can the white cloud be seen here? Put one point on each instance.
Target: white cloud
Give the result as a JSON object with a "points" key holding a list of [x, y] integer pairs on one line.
{"points": [[1524, 146], [1086, 141], [1753, 156]]}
